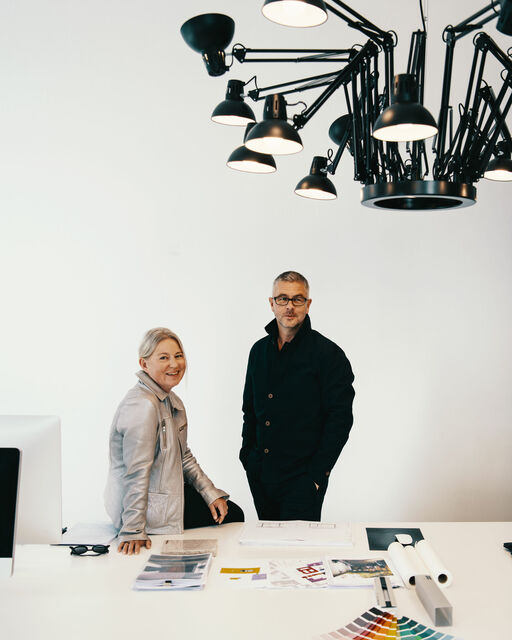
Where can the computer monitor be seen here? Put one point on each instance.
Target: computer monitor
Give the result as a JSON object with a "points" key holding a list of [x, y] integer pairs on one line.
{"points": [[9, 476], [39, 513]]}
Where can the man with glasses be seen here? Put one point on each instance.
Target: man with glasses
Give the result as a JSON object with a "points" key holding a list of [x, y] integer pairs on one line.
{"points": [[297, 408]]}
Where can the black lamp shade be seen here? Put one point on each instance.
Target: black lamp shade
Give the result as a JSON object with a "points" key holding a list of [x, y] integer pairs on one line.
{"points": [[274, 135], [499, 169], [243, 159], [295, 13], [505, 18], [405, 119], [339, 127], [317, 185], [208, 31], [209, 34], [233, 110]]}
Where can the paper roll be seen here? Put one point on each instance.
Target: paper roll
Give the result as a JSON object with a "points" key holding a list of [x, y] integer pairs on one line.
{"points": [[436, 568], [407, 562]]}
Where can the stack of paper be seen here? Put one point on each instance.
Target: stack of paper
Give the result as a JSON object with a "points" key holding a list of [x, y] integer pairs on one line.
{"points": [[164, 572], [189, 547], [296, 532]]}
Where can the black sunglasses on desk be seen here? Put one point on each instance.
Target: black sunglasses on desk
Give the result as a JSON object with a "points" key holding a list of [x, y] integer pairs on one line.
{"points": [[83, 549]]}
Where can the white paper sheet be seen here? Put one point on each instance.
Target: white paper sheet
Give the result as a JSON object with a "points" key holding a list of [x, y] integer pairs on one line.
{"points": [[89, 533], [296, 533]]}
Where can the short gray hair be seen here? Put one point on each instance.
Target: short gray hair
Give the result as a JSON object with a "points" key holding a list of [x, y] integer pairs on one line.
{"points": [[152, 339], [292, 276]]}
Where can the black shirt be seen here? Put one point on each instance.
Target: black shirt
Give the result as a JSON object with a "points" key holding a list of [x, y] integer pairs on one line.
{"points": [[297, 406]]}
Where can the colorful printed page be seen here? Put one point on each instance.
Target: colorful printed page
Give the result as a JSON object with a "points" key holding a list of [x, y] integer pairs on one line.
{"points": [[355, 573], [246, 576], [376, 624], [285, 574]]}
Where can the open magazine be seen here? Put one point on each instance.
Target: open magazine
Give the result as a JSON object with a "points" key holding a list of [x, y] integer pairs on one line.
{"points": [[164, 572]]}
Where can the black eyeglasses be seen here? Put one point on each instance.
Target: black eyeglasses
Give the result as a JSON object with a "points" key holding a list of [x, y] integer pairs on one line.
{"points": [[297, 301], [82, 549]]}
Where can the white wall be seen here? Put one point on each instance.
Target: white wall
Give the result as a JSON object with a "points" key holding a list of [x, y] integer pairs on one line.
{"points": [[118, 214]]}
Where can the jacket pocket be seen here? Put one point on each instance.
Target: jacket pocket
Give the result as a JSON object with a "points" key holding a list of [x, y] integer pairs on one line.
{"points": [[157, 510]]}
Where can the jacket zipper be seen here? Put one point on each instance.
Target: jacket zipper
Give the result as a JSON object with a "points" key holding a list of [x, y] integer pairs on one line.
{"points": [[164, 435]]}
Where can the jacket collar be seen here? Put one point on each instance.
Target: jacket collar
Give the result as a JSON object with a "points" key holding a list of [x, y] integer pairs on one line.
{"points": [[273, 331], [148, 382]]}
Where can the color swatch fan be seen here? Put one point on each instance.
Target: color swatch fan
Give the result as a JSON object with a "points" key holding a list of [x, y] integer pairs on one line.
{"points": [[375, 624]]}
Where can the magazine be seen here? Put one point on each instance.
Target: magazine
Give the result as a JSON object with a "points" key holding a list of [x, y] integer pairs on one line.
{"points": [[189, 547], [164, 572]]}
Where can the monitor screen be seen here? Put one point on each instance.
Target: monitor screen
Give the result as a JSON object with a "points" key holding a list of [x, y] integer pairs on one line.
{"points": [[39, 513]]}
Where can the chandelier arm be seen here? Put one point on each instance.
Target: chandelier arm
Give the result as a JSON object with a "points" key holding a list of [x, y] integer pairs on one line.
{"points": [[363, 22], [483, 144], [370, 85], [442, 122], [332, 166], [343, 77], [309, 83], [466, 26], [479, 142], [454, 148], [490, 98], [471, 131], [442, 167], [425, 159], [363, 101], [358, 126], [475, 27], [416, 160], [394, 163], [451, 35], [377, 145], [245, 54], [416, 64]]}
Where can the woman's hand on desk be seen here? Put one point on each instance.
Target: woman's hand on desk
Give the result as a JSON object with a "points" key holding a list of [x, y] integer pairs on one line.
{"points": [[219, 510], [133, 546]]}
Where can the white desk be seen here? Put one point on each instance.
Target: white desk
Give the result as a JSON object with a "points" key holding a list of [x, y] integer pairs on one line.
{"points": [[54, 595]]}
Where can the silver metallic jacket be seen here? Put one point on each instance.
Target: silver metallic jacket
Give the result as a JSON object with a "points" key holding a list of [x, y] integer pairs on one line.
{"points": [[149, 461]]}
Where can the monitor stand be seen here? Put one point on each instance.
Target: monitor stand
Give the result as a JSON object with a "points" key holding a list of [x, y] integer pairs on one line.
{"points": [[10, 465]]}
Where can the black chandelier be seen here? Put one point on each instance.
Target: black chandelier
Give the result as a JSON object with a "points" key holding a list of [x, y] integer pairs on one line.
{"points": [[385, 125]]}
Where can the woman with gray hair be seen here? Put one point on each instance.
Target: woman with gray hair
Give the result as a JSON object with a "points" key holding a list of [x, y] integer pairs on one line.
{"points": [[155, 485]]}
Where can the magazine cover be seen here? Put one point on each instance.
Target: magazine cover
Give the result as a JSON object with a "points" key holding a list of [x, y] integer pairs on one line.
{"points": [[174, 572]]}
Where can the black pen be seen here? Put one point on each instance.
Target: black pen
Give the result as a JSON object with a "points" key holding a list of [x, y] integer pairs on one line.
{"points": [[508, 546]]}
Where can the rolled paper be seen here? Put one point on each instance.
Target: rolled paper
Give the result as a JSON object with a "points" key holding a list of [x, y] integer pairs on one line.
{"points": [[407, 562], [436, 568]]}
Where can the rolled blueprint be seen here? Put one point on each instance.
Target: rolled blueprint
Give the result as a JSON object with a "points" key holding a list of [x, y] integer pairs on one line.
{"points": [[407, 562], [435, 566]]}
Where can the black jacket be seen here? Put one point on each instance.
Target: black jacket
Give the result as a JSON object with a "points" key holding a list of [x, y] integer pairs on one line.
{"points": [[297, 406]]}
